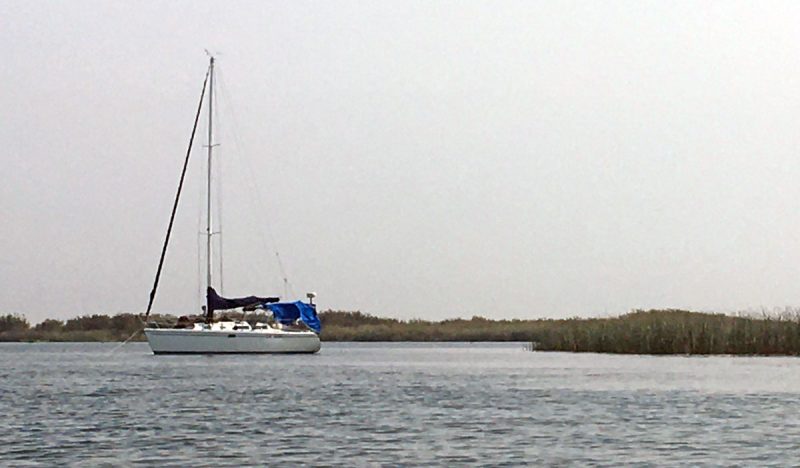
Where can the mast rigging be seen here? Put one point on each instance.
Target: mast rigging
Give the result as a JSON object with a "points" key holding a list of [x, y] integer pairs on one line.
{"points": [[177, 197]]}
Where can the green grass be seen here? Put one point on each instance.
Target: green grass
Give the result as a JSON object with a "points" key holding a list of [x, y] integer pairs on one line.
{"points": [[674, 332]]}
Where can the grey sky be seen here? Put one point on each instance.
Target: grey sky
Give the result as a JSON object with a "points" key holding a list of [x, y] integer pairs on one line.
{"points": [[416, 159]]}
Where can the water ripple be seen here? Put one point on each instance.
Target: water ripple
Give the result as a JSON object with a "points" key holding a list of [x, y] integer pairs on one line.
{"points": [[390, 404]]}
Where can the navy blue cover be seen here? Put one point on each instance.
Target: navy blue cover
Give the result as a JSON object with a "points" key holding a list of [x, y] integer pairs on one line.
{"points": [[216, 302], [287, 312]]}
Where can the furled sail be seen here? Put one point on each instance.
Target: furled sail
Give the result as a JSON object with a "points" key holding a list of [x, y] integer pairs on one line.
{"points": [[288, 312], [216, 302]]}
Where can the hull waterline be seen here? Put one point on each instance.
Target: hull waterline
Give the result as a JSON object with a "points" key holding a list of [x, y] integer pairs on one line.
{"points": [[181, 341]]}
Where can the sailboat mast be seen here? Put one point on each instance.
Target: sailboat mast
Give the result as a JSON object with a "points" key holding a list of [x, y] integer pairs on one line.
{"points": [[177, 199], [209, 233]]}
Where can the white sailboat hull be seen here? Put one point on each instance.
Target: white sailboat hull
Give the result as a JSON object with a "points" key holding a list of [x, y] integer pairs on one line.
{"points": [[192, 341]]}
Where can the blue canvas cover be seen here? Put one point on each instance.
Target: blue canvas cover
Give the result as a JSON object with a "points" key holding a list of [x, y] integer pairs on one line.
{"points": [[288, 312]]}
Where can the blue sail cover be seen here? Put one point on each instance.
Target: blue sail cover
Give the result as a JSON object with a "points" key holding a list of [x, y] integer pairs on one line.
{"points": [[287, 312]]}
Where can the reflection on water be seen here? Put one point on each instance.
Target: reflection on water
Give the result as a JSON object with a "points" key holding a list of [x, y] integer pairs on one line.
{"points": [[357, 404]]}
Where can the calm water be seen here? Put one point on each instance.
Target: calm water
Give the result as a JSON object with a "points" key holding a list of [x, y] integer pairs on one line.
{"points": [[385, 404]]}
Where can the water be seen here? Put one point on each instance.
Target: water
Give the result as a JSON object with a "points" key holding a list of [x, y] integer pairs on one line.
{"points": [[389, 404]]}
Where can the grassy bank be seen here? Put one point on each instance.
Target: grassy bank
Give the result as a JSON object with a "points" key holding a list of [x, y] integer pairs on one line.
{"points": [[673, 332], [639, 332]]}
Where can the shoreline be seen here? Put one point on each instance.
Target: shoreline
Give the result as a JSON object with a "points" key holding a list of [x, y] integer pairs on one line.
{"points": [[525, 347], [653, 332]]}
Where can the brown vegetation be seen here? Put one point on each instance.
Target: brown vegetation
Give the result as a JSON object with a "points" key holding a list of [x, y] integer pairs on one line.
{"points": [[639, 332]]}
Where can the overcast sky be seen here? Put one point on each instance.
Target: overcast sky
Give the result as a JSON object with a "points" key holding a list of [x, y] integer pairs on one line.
{"points": [[407, 159]]}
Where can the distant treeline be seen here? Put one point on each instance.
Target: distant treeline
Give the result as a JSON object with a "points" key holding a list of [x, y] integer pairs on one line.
{"points": [[86, 328], [639, 332]]}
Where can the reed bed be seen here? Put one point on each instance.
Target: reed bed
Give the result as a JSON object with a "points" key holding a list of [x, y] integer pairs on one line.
{"points": [[675, 332], [638, 332]]}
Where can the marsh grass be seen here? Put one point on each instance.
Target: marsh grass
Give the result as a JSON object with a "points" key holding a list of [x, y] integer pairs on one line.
{"points": [[638, 332], [675, 332]]}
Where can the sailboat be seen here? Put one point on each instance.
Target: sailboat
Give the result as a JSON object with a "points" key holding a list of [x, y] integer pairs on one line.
{"points": [[294, 326]]}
